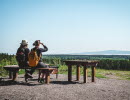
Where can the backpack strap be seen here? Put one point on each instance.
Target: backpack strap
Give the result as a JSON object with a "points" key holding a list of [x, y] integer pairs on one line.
{"points": [[21, 51], [35, 49]]}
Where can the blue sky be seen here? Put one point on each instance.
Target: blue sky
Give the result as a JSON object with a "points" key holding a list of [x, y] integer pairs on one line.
{"points": [[65, 26]]}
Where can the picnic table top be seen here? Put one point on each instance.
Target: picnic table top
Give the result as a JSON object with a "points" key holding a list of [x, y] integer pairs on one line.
{"points": [[84, 61]]}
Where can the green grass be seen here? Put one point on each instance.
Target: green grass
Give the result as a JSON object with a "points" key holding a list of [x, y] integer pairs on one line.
{"points": [[21, 71], [63, 69], [128, 78], [100, 76], [115, 74]]}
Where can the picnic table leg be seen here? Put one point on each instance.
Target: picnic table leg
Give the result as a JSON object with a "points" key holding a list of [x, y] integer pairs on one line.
{"points": [[69, 73], [85, 74], [78, 73], [15, 74], [47, 77], [39, 74], [93, 73], [56, 75], [10, 74]]}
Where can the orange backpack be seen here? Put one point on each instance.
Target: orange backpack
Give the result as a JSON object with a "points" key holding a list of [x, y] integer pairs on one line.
{"points": [[33, 58]]}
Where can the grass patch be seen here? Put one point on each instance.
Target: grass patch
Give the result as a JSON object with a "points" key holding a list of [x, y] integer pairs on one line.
{"points": [[125, 75], [100, 76], [128, 78], [22, 71], [116, 74], [63, 69]]}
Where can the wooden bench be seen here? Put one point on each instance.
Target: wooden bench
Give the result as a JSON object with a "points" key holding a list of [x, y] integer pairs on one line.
{"points": [[48, 71], [14, 69]]}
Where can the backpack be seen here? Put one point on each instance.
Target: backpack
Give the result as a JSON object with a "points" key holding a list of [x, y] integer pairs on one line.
{"points": [[33, 58], [20, 56]]}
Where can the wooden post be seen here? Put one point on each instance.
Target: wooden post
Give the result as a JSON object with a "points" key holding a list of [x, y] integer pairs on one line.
{"points": [[69, 73], [57, 76], [93, 73], [15, 74], [47, 76], [85, 74], [78, 73], [10, 75], [39, 74]]}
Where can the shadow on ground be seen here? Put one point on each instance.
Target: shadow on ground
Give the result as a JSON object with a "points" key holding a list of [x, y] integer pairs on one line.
{"points": [[33, 82], [65, 82], [6, 82]]}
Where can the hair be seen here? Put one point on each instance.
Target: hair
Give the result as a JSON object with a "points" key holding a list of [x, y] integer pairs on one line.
{"points": [[22, 46]]}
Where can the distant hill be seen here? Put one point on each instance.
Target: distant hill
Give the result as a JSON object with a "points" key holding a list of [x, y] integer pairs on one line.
{"points": [[106, 52]]}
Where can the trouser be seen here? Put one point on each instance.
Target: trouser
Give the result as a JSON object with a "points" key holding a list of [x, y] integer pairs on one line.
{"points": [[40, 65], [24, 65]]}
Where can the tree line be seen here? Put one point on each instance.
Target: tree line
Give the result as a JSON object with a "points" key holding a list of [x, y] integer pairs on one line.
{"points": [[112, 62]]}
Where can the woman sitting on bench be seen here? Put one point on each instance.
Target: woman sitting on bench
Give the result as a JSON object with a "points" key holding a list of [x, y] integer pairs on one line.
{"points": [[39, 54], [22, 54]]}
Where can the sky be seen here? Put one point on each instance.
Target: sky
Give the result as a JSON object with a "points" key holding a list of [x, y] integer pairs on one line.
{"points": [[65, 26]]}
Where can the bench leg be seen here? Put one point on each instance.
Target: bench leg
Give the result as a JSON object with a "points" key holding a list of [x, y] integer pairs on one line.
{"points": [[93, 73], [78, 73], [85, 74], [39, 74], [57, 76], [10, 75], [48, 77], [69, 73], [15, 74]]}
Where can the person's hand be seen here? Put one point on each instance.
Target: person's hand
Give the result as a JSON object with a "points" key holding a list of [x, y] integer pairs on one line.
{"points": [[41, 43]]}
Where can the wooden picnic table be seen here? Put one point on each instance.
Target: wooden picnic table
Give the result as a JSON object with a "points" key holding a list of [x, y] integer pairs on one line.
{"points": [[85, 64]]}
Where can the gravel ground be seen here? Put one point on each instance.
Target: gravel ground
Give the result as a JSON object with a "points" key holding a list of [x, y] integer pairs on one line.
{"points": [[60, 89]]}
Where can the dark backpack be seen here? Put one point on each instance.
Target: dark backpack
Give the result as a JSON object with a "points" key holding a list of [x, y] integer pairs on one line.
{"points": [[20, 56]]}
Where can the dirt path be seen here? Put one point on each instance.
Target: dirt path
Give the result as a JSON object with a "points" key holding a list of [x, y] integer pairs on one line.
{"points": [[60, 89]]}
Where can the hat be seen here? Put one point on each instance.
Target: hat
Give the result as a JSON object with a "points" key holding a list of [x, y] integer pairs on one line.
{"points": [[24, 42], [36, 42]]}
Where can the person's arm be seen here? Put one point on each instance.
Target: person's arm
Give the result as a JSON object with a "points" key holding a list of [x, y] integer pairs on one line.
{"points": [[45, 48], [17, 51], [26, 53]]}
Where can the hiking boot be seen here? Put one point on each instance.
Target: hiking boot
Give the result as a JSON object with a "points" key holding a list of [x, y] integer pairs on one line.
{"points": [[28, 75], [42, 80]]}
